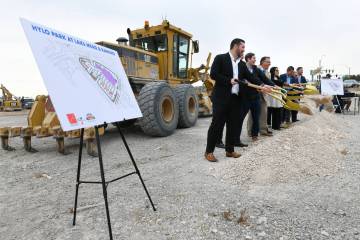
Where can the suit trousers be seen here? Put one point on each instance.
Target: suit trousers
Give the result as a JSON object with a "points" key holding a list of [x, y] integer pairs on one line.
{"points": [[262, 118], [290, 114], [294, 115], [246, 105], [275, 118], [223, 113]]}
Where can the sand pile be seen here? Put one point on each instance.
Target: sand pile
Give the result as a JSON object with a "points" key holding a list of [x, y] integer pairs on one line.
{"points": [[308, 148]]}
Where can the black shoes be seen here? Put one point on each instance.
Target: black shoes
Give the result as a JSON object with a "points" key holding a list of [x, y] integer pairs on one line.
{"points": [[220, 145], [240, 144]]}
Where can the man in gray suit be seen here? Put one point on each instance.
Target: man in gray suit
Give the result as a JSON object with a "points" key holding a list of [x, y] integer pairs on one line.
{"points": [[264, 130]]}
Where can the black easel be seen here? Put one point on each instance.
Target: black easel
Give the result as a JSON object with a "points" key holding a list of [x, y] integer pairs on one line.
{"points": [[103, 182], [338, 102]]}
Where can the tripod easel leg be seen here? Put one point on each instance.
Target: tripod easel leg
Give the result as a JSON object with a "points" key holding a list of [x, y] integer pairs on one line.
{"points": [[338, 102], [78, 174], [103, 180], [135, 166]]}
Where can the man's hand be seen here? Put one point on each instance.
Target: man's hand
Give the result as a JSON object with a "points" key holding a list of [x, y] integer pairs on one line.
{"points": [[266, 89], [234, 81]]}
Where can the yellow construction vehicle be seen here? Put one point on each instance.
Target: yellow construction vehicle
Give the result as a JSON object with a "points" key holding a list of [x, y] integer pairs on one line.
{"points": [[9, 102], [157, 61], [43, 122]]}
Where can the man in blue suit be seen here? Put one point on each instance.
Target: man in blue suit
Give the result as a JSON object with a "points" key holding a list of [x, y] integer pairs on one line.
{"points": [[287, 79], [301, 78]]}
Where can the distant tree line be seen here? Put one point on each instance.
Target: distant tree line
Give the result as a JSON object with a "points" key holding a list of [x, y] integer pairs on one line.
{"points": [[356, 77]]}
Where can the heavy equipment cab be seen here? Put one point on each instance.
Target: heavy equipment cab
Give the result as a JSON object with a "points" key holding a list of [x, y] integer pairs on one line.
{"points": [[172, 46]]}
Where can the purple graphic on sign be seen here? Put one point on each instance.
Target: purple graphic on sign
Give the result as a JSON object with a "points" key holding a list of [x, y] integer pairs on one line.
{"points": [[106, 73], [104, 78]]}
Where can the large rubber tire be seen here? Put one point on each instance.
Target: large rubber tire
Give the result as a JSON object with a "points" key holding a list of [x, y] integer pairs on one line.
{"points": [[188, 105], [159, 108]]}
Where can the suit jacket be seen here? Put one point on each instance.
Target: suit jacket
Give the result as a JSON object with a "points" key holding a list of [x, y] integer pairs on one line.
{"points": [[222, 73], [257, 77], [265, 77], [283, 79], [302, 80]]}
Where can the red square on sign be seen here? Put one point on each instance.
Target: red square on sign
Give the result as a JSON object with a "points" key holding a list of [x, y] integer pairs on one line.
{"points": [[71, 118]]}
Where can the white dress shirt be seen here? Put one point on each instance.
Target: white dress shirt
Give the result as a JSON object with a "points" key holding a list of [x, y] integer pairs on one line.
{"points": [[235, 65]]}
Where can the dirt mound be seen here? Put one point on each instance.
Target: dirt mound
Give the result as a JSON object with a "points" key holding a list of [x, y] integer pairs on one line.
{"points": [[309, 148]]}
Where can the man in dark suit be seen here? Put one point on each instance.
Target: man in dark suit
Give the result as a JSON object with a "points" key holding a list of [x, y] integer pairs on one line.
{"points": [[301, 78], [264, 75], [287, 79], [249, 97], [225, 73]]}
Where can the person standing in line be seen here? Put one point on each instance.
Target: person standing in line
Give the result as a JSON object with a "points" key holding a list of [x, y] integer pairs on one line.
{"points": [[301, 78], [250, 97], [225, 73], [294, 113], [265, 77], [287, 79], [276, 107]]}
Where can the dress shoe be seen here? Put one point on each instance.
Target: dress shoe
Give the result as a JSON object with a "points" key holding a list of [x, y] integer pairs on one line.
{"points": [[266, 134], [210, 157], [220, 145], [254, 138], [233, 154], [240, 144], [285, 125]]}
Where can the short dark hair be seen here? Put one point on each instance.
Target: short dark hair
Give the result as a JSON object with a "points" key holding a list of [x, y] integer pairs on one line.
{"points": [[290, 68], [263, 59], [248, 56], [299, 68], [236, 41]]}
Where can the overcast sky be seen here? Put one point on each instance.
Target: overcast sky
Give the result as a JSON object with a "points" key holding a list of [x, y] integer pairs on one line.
{"points": [[292, 32]]}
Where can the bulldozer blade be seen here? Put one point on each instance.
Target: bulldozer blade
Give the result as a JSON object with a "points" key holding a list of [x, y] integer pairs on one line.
{"points": [[5, 144], [27, 145], [91, 147], [61, 146]]}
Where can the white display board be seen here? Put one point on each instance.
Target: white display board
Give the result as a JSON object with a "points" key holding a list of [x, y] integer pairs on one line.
{"points": [[332, 87], [86, 82]]}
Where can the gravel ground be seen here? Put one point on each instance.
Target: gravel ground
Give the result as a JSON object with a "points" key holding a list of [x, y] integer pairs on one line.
{"points": [[303, 183]]}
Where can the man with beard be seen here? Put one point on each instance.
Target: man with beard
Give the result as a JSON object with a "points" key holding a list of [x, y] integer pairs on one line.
{"points": [[264, 73], [225, 73], [250, 97]]}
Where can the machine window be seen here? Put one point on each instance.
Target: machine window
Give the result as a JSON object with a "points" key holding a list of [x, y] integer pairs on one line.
{"points": [[156, 43], [183, 56], [175, 55]]}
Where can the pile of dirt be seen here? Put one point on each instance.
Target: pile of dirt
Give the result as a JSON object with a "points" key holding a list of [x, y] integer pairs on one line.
{"points": [[308, 148]]}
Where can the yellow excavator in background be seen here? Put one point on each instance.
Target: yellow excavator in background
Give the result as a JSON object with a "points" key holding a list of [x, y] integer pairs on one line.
{"points": [[9, 102], [157, 61]]}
